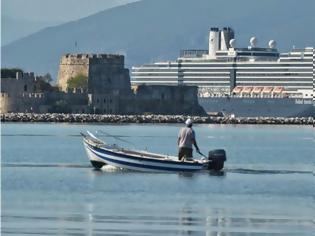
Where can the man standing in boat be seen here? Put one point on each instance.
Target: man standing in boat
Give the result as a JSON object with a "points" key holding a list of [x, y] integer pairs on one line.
{"points": [[186, 138]]}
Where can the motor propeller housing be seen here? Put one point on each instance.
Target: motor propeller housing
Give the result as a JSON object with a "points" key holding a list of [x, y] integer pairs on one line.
{"points": [[216, 159]]}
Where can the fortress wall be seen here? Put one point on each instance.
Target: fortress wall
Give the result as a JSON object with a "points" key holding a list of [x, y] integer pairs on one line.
{"points": [[30, 102], [25, 102], [13, 90], [104, 103], [178, 94], [22, 83], [163, 99]]}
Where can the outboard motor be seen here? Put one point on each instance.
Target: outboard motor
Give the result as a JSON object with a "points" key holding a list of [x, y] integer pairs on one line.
{"points": [[217, 158]]}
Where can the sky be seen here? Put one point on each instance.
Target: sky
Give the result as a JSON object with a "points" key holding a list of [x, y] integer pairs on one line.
{"points": [[20, 18]]}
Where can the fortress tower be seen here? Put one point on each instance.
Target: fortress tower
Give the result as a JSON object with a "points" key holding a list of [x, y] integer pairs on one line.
{"points": [[105, 72]]}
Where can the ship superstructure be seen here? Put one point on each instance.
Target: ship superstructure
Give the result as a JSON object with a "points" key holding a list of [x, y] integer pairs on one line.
{"points": [[227, 71]]}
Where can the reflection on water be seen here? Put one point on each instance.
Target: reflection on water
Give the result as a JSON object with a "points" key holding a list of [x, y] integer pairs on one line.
{"points": [[185, 221]]}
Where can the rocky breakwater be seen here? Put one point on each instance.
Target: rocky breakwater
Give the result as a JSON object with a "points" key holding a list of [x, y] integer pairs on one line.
{"points": [[93, 118]]}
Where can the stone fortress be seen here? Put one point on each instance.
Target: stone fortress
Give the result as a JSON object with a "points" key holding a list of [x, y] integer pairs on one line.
{"points": [[108, 80], [108, 91]]}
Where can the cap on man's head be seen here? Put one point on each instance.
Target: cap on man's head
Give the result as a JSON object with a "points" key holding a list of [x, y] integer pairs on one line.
{"points": [[188, 122]]}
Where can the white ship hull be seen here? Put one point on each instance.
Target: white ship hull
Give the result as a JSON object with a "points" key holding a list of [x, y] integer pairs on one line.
{"points": [[255, 107]]}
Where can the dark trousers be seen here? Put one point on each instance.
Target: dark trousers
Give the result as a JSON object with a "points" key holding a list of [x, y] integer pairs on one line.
{"points": [[184, 152]]}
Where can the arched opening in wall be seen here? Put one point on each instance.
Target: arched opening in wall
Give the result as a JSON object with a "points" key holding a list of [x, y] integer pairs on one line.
{"points": [[25, 88]]}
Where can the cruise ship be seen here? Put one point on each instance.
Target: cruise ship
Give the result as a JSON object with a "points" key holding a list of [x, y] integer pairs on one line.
{"points": [[247, 82]]}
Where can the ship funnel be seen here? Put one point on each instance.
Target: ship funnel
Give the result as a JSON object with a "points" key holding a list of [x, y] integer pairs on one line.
{"points": [[214, 41], [226, 35], [253, 42], [272, 44]]}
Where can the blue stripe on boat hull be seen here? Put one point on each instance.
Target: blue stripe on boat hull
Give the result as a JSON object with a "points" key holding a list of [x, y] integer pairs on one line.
{"points": [[104, 151], [142, 166]]}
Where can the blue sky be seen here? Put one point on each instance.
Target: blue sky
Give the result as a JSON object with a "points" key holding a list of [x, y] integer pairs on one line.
{"points": [[23, 17]]}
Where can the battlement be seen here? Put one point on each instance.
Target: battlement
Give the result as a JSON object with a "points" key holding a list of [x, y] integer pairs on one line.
{"points": [[90, 55], [25, 75], [33, 95], [79, 59]]}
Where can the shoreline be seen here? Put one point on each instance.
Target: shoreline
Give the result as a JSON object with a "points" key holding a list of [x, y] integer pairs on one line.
{"points": [[154, 119]]}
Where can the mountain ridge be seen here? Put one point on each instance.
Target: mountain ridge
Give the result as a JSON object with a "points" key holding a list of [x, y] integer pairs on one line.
{"points": [[151, 30]]}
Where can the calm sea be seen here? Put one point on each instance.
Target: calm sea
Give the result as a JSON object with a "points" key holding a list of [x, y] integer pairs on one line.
{"points": [[49, 187]]}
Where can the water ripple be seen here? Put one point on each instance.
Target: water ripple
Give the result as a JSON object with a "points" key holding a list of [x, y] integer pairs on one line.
{"points": [[183, 223], [230, 169]]}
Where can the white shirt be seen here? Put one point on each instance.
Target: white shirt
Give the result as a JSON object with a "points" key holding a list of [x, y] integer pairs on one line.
{"points": [[186, 137]]}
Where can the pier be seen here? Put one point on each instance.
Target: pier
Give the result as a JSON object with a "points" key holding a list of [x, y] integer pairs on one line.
{"points": [[172, 119]]}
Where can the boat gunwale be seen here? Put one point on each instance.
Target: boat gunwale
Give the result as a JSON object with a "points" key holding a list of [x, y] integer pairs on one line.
{"points": [[122, 154]]}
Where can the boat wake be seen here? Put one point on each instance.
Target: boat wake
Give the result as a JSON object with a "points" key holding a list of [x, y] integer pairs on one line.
{"points": [[49, 165], [239, 169], [258, 171]]}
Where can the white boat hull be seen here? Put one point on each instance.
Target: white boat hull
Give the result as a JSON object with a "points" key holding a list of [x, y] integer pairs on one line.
{"points": [[104, 156]]}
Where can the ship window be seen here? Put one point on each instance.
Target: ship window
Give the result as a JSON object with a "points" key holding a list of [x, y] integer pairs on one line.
{"points": [[25, 88]]}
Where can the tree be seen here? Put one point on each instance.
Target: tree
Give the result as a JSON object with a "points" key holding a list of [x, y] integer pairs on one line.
{"points": [[47, 78], [10, 73], [79, 81], [43, 84]]}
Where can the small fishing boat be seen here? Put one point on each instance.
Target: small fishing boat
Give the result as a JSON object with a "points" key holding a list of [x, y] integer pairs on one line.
{"points": [[101, 154]]}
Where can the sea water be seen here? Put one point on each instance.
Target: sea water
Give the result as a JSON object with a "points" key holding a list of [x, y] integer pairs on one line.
{"points": [[49, 187]]}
